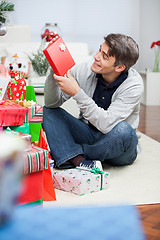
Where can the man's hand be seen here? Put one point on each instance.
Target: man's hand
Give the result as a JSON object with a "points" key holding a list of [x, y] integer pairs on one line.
{"points": [[67, 84]]}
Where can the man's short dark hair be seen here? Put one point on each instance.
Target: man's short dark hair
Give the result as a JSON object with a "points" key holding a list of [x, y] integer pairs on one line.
{"points": [[123, 48]]}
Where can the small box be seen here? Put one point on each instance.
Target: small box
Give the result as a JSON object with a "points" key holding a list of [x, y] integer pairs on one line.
{"points": [[31, 112], [35, 159], [81, 181], [59, 57]]}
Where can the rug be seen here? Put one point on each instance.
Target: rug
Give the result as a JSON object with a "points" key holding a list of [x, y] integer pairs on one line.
{"points": [[135, 184]]}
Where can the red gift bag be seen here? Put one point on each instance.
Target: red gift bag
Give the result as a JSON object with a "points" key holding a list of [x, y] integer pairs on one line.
{"points": [[59, 57], [48, 187], [32, 189]]}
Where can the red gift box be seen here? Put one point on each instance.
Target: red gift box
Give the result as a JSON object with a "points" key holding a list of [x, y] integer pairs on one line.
{"points": [[11, 114], [35, 159], [59, 57], [32, 111]]}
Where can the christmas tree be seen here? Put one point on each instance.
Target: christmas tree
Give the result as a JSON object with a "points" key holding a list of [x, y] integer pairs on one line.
{"points": [[10, 92], [5, 7], [21, 97]]}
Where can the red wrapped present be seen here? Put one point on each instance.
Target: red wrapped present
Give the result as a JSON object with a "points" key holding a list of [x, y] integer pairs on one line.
{"points": [[31, 112], [11, 114], [38, 117], [16, 89], [59, 57], [34, 110], [35, 159]]}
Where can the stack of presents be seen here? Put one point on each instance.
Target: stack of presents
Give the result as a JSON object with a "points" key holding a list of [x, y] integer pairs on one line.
{"points": [[21, 115]]}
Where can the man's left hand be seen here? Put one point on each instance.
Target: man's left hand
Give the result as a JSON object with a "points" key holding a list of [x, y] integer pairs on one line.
{"points": [[67, 84]]}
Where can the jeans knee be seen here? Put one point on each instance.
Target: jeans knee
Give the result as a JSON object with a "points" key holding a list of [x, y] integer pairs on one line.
{"points": [[126, 134], [124, 130]]}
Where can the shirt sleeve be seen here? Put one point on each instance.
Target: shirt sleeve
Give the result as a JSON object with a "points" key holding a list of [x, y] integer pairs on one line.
{"points": [[53, 96], [119, 110]]}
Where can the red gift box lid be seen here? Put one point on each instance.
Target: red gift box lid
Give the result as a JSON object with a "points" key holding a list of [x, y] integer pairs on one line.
{"points": [[59, 57]]}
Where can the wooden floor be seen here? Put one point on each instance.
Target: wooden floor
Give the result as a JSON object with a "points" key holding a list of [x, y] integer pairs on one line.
{"points": [[150, 214], [150, 121]]}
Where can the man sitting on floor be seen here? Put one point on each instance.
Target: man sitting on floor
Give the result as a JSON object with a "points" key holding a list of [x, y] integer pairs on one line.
{"points": [[107, 91]]}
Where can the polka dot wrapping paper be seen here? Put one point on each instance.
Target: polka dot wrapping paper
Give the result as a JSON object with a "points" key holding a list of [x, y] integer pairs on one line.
{"points": [[80, 181]]}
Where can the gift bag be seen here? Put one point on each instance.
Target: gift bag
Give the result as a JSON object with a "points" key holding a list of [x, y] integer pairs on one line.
{"points": [[48, 187]]}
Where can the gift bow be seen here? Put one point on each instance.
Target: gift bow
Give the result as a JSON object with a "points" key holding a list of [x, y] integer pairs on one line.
{"points": [[96, 170]]}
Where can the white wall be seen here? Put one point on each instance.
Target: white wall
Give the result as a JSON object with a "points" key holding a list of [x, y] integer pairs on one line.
{"points": [[149, 31], [90, 20]]}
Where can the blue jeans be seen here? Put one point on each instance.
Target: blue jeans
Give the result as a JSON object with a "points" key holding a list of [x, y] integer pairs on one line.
{"points": [[68, 137]]}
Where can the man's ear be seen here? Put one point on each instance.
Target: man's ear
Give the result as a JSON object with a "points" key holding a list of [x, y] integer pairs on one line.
{"points": [[120, 68]]}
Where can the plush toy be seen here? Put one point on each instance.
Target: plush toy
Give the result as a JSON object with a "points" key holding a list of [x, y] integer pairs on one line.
{"points": [[16, 65], [16, 89]]}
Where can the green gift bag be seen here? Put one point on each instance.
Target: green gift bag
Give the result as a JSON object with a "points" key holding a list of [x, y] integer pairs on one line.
{"points": [[35, 131], [30, 94]]}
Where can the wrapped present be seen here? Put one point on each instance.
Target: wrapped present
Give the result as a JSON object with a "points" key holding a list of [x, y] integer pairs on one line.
{"points": [[33, 109], [16, 89], [35, 159], [38, 117], [31, 112], [59, 57], [81, 181], [11, 114]]}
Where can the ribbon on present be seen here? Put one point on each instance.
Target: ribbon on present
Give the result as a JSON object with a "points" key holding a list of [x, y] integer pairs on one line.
{"points": [[95, 171], [98, 171]]}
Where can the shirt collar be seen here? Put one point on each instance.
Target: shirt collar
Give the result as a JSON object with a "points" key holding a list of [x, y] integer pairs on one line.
{"points": [[116, 83]]}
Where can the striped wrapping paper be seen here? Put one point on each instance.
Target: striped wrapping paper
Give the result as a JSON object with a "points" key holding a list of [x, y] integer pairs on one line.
{"points": [[38, 117], [31, 111], [35, 159]]}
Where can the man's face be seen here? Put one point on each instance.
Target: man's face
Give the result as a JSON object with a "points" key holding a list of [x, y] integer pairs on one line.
{"points": [[103, 63]]}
